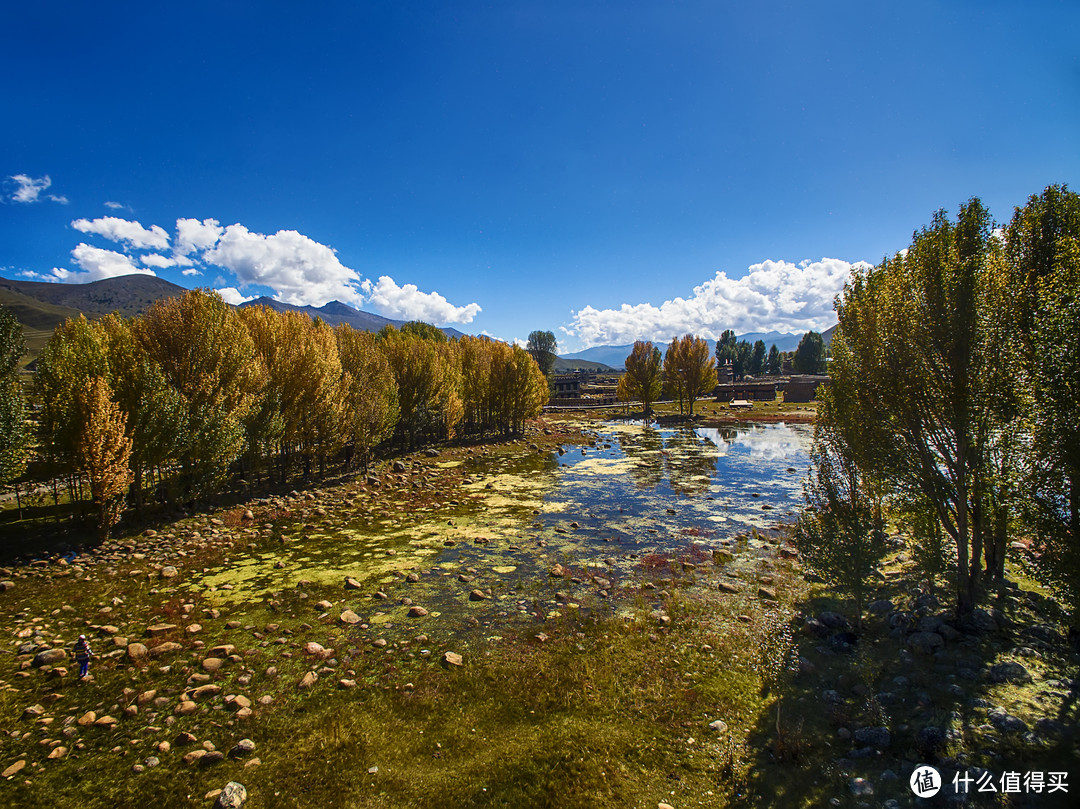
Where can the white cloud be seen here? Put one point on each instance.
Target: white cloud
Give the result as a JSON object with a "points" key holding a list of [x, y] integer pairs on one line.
{"points": [[116, 206], [232, 295], [157, 260], [30, 189], [409, 303], [191, 272], [301, 271], [774, 295], [193, 235], [125, 231], [96, 264]]}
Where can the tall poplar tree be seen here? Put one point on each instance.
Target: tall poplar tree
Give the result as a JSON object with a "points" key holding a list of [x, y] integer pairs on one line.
{"points": [[644, 378]]}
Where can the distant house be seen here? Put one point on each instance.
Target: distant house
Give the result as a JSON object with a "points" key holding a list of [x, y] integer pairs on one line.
{"points": [[751, 391], [566, 386], [803, 387]]}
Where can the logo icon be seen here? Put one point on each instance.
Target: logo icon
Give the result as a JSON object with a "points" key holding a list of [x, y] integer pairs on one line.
{"points": [[925, 781]]}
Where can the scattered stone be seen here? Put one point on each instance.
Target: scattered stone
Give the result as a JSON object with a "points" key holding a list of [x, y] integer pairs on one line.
{"points": [[860, 787], [193, 756], [136, 651], [453, 659], [13, 769], [244, 747], [33, 712], [1009, 672], [212, 664], [878, 737], [560, 571], [49, 657], [925, 642], [87, 718], [169, 572], [204, 691], [159, 629], [164, 648], [719, 725], [478, 595], [417, 612], [346, 683], [350, 617], [308, 681], [767, 593], [351, 583]]}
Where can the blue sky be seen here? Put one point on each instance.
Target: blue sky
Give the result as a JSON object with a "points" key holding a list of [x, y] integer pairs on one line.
{"points": [[606, 170]]}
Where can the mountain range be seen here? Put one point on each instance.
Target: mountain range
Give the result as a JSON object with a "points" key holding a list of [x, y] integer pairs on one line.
{"points": [[40, 306]]}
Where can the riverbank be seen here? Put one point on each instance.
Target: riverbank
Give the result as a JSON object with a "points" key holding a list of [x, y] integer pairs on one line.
{"points": [[409, 635]]}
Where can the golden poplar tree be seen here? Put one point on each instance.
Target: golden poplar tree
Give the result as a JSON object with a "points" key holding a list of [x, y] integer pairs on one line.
{"points": [[103, 451]]}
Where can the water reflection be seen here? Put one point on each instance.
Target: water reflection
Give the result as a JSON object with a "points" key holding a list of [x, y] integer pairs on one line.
{"points": [[645, 448], [690, 460]]}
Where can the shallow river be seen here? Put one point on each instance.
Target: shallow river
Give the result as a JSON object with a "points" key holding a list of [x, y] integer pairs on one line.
{"points": [[638, 492]]}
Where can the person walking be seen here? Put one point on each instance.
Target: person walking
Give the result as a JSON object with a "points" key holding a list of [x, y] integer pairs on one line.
{"points": [[83, 653]]}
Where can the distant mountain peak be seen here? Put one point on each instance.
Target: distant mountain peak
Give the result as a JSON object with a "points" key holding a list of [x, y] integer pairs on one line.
{"points": [[339, 308]]}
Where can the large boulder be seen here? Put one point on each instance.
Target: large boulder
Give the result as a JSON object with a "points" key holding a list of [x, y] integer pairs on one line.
{"points": [[49, 657]]}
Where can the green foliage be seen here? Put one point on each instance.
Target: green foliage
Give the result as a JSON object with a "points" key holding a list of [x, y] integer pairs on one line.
{"points": [[208, 357], [841, 534], [428, 374], [103, 452], [922, 357], [425, 331], [14, 435], [643, 379], [757, 359], [1044, 241], [774, 362], [810, 355], [371, 394], [688, 370], [542, 347]]}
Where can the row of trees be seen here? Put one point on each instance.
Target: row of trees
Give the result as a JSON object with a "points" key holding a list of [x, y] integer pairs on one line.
{"points": [[171, 401], [751, 359], [685, 373], [955, 404]]}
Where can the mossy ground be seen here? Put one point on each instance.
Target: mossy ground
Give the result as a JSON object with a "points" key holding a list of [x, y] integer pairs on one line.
{"points": [[605, 699]]}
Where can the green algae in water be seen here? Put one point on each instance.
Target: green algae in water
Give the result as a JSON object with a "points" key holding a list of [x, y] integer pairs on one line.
{"points": [[620, 497]]}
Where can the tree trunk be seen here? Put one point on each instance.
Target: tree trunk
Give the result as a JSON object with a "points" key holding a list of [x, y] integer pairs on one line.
{"points": [[965, 591]]}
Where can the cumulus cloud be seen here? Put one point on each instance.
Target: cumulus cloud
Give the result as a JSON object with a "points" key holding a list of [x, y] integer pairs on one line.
{"points": [[409, 303], [125, 231], [232, 295], [96, 264], [30, 188], [301, 270], [116, 206], [773, 295], [193, 235], [191, 271], [157, 260]]}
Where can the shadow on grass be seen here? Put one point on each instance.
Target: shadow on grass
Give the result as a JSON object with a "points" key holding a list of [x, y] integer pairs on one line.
{"points": [[863, 710]]}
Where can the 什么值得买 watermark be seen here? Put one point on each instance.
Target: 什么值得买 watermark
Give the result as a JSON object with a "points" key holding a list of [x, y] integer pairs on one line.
{"points": [[926, 781]]}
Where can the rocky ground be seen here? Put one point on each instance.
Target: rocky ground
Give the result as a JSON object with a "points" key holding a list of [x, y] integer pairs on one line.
{"points": [[698, 680]]}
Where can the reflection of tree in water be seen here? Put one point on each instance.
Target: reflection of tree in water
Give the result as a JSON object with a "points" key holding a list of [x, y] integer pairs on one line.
{"points": [[690, 461], [644, 449]]}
